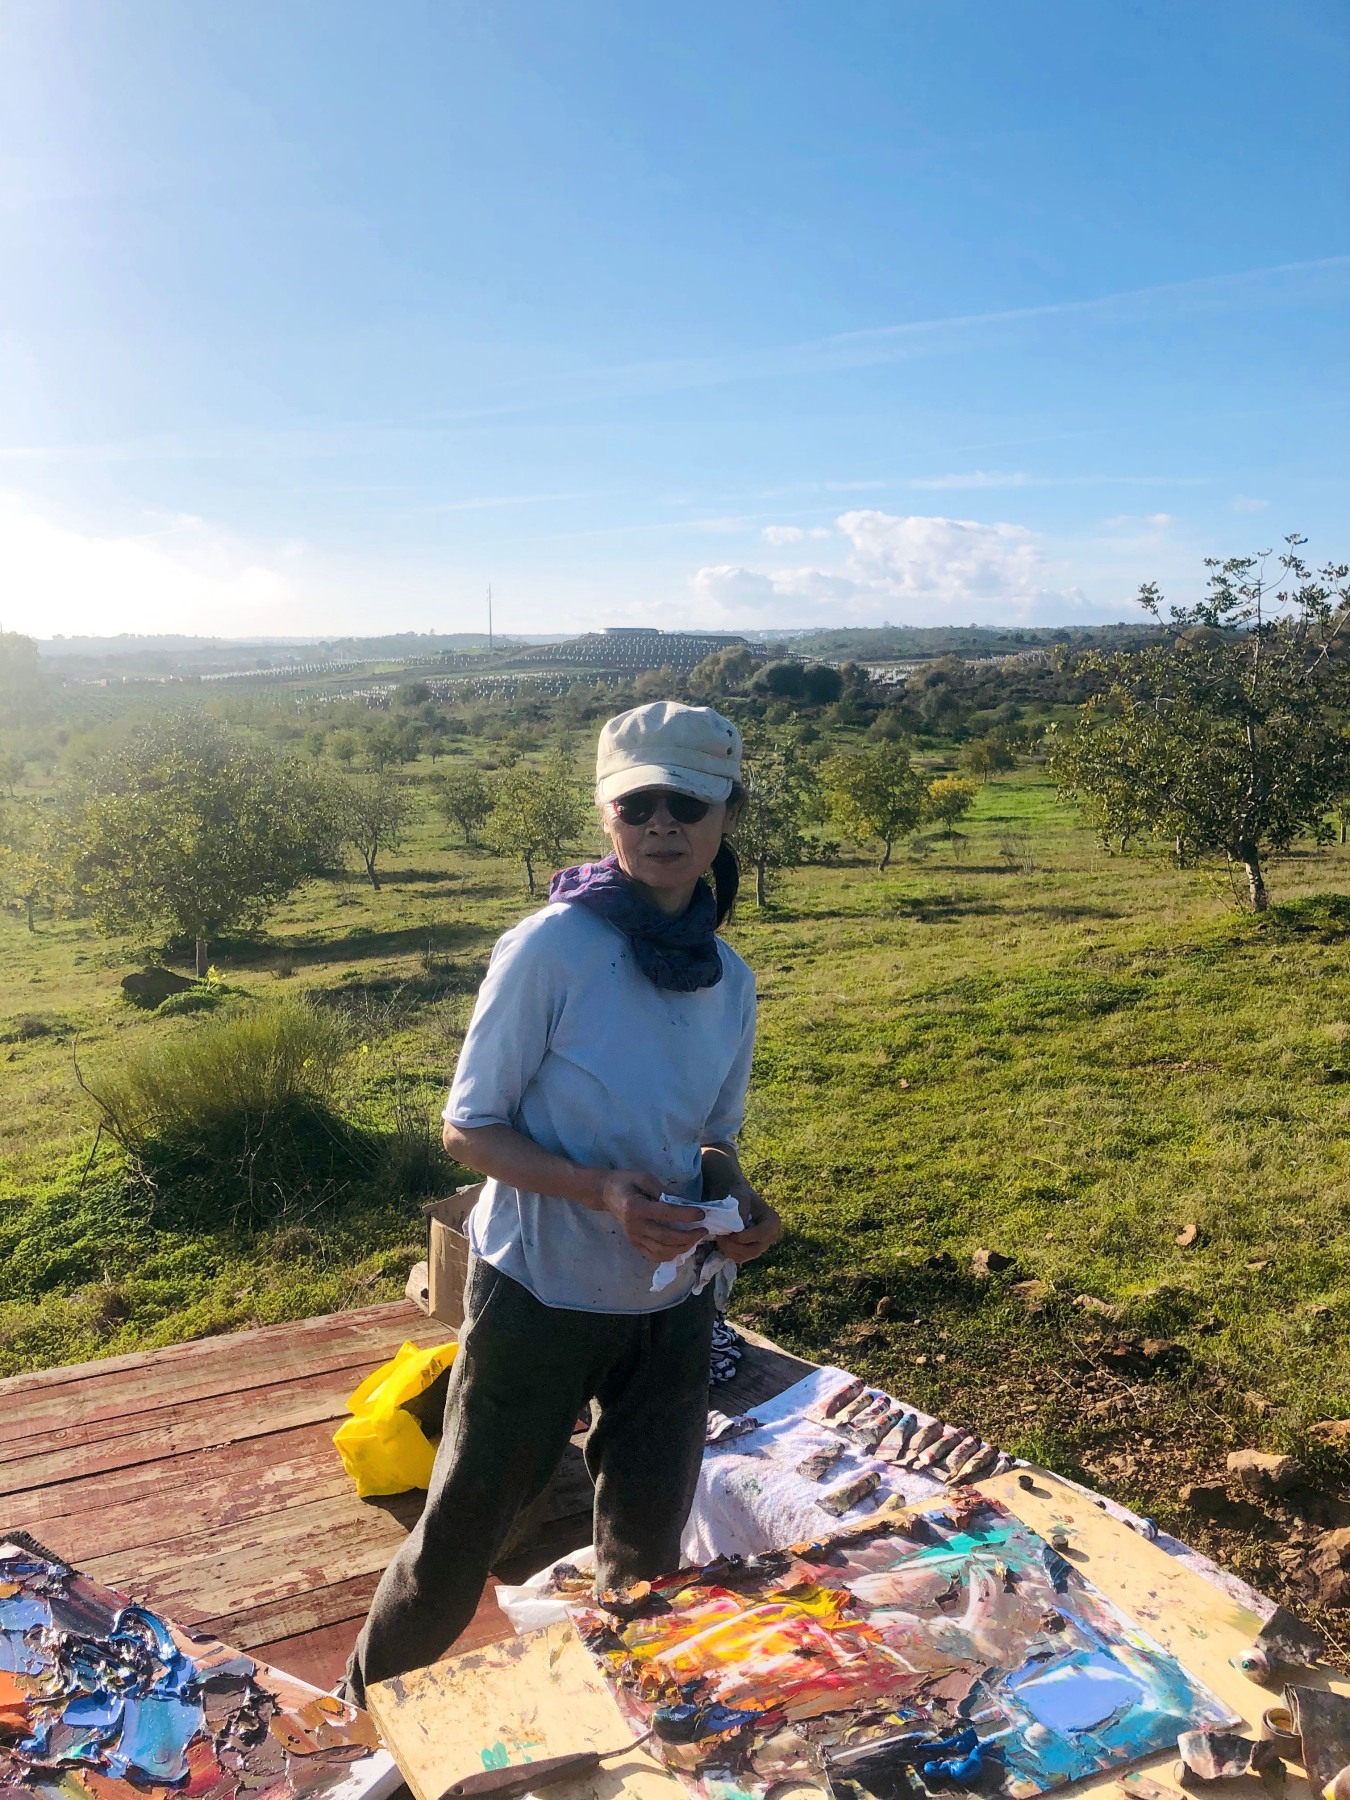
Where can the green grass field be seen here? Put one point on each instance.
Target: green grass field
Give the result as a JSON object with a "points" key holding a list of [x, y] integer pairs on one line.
{"points": [[1016, 1042]]}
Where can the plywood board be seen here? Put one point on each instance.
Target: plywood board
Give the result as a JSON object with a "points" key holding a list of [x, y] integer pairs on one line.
{"points": [[513, 1703], [1201, 1625], [440, 1721]]}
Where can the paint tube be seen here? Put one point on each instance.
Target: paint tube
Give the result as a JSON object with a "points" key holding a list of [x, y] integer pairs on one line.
{"points": [[923, 1437], [935, 1449], [845, 1497], [818, 1464]]}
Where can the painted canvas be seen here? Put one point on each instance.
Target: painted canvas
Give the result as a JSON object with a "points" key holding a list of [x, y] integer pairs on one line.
{"points": [[101, 1699], [913, 1653]]}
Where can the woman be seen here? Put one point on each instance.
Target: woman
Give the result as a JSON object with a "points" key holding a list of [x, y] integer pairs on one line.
{"points": [[604, 1068]]}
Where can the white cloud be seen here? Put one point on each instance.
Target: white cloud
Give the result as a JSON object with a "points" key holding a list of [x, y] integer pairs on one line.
{"points": [[977, 478], [915, 569], [183, 575], [1243, 503], [793, 534], [1132, 521]]}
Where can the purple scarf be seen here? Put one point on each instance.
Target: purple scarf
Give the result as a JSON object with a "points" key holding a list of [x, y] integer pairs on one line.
{"points": [[677, 952]]}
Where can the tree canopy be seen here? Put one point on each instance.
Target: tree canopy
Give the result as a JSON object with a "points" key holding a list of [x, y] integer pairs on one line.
{"points": [[190, 829], [464, 798], [1230, 737], [782, 797], [535, 813], [875, 792]]}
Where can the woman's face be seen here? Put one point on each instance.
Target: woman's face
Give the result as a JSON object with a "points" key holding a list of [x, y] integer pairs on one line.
{"points": [[664, 853]]}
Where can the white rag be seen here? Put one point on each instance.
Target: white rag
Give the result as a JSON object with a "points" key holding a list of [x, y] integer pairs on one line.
{"points": [[719, 1217]]}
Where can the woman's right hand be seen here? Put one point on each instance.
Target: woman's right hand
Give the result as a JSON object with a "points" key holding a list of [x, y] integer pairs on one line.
{"points": [[655, 1228]]}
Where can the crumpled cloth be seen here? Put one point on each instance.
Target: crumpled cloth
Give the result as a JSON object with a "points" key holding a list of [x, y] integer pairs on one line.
{"points": [[719, 1217]]}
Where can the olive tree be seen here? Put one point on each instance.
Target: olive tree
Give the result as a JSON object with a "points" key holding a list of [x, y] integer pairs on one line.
{"points": [[535, 813], [946, 802], [1229, 738], [875, 792], [464, 798], [190, 829], [371, 816], [782, 797]]}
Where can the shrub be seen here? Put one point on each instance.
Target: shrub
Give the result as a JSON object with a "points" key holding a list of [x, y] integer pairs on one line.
{"points": [[235, 1119]]}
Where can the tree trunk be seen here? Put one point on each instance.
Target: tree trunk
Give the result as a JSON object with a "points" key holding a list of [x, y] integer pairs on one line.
{"points": [[1256, 881], [1180, 848], [370, 870], [760, 899], [202, 964], [885, 862], [1343, 827], [28, 908], [529, 870]]}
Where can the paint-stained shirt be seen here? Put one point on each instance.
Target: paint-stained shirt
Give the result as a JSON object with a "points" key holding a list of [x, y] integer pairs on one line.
{"points": [[572, 1045]]}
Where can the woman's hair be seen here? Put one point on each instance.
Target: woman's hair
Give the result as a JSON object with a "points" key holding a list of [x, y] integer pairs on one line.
{"points": [[726, 869]]}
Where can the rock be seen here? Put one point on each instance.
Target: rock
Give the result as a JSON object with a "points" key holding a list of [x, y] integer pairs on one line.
{"points": [[883, 1307], [1329, 1566], [151, 987], [1259, 1403], [1331, 1431], [1263, 1472], [1131, 1356], [1102, 1309], [984, 1263], [944, 1263], [1033, 1294], [1187, 1237], [1206, 1499]]}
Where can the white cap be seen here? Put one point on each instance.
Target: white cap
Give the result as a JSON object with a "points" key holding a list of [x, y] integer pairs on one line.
{"points": [[689, 749]]}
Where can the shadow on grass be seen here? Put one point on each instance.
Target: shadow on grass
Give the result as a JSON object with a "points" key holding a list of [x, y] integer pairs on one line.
{"points": [[462, 936]]}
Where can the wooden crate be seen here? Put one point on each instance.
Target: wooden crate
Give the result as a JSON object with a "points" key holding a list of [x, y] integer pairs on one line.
{"points": [[448, 1254]]}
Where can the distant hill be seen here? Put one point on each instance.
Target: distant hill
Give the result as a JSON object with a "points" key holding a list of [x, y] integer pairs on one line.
{"points": [[924, 643], [165, 654]]}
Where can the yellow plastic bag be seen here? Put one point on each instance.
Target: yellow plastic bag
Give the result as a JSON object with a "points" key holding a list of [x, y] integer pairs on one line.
{"points": [[383, 1448]]}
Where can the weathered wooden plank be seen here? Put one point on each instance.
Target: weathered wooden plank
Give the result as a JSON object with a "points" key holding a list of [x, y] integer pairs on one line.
{"points": [[765, 1372], [320, 1656], [168, 1357], [306, 1547], [293, 1615], [230, 1491], [165, 1479], [226, 1421], [89, 1409]]}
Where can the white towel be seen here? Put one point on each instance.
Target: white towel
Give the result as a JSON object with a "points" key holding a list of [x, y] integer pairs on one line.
{"points": [[719, 1217]]}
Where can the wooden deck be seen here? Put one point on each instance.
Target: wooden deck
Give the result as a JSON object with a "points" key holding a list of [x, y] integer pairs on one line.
{"points": [[203, 1479]]}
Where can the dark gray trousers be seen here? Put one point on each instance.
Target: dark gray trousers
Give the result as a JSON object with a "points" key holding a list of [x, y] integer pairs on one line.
{"points": [[523, 1373]]}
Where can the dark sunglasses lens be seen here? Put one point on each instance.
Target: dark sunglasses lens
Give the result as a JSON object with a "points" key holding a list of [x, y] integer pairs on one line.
{"points": [[638, 809]]}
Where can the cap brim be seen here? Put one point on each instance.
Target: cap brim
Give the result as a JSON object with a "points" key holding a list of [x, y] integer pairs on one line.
{"points": [[657, 775]]}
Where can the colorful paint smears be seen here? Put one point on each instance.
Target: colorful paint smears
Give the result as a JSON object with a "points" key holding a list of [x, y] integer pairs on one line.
{"points": [[102, 1698], [910, 1654]]}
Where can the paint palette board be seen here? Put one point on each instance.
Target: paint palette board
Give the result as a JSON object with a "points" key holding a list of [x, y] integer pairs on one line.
{"points": [[512, 1703], [843, 1661], [102, 1699]]}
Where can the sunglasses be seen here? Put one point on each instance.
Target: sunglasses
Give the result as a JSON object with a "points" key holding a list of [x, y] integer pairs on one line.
{"points": [[640, 808]]}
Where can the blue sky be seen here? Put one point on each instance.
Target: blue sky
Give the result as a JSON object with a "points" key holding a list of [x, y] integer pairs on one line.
{"points": [[319, 316]]}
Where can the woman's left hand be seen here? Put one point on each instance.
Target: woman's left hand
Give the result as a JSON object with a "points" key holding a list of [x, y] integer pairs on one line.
{"points": [[762, 1230]]}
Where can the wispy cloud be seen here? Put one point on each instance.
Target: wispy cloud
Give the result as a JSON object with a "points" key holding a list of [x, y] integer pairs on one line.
{"points": [[1280, 285]]}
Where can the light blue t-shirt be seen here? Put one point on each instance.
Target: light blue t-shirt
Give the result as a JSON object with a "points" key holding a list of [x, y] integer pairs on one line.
{"points": [[572, 1045]]}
